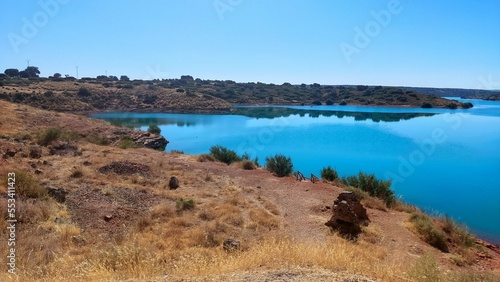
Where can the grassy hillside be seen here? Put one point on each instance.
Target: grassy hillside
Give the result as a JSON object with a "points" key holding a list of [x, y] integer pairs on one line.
{"points": [[119, 220], [195, 95]]}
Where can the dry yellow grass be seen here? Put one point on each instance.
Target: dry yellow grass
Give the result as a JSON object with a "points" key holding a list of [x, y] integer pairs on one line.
{"points": [[153, 238]]}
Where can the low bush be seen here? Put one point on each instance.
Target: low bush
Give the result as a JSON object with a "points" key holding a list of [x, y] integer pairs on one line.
{"points": [[224, 155], [184, 204], [48, 136], [154, 129], [126, 142], [328, 173], [84, 92], [246, 157], [27, 186], [429, 231], [248, 165], [372, 185], [280, 165], [458, 233]]}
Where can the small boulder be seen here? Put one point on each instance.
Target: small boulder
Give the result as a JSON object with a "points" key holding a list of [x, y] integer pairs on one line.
{"points": [[173, 183], [231, 245], [108, 217], [348, 214]]}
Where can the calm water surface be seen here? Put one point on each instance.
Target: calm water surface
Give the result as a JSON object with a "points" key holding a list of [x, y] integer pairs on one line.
{"points": [[444, 161]]}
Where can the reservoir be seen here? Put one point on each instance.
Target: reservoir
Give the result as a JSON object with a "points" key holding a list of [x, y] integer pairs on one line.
{"points": [[446, 162]]}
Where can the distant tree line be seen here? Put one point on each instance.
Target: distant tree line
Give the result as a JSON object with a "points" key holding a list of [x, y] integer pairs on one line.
{"points": [[29, 72]]}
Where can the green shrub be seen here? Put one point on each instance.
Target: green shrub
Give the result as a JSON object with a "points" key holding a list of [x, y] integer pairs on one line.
{"points": [[126, 142], [329, 174], [84, 92], [372, 185], [26, 185], [458, 233], [177, 152], [98, 140], [184, 204], [48, 136], [429, 232], [224, 155], [280, 165], [154, 129]]}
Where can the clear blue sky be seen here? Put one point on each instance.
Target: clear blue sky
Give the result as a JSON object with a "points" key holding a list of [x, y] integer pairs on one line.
{"points": [[424, 43]]}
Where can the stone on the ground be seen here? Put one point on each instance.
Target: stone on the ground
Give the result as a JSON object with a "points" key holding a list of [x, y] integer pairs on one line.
{"points": [[173, 183], [348, 214]]}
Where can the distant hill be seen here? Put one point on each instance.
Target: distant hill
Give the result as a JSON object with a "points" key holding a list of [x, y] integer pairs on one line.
{"points": [[195, 95], [457, 92]]}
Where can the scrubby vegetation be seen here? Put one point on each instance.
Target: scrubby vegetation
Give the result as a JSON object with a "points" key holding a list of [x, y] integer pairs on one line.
{"points": [[184, 204], [429, 231], [375, 187], [328, 173], [126, 142], [27, 186], [224, 154], [444, 234], [154, 129], [48, 136], [280, 165]]}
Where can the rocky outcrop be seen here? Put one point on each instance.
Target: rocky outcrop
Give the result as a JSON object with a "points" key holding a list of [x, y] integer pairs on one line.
{"points": [[348, 214], [149, 140]]}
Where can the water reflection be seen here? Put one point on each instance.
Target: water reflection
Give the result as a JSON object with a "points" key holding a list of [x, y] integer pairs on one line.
{"points": [[275, 112], [136, 120]]}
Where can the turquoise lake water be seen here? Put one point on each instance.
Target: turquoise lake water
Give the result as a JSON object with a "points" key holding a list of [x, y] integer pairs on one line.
{"points": [[443, 161]]}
